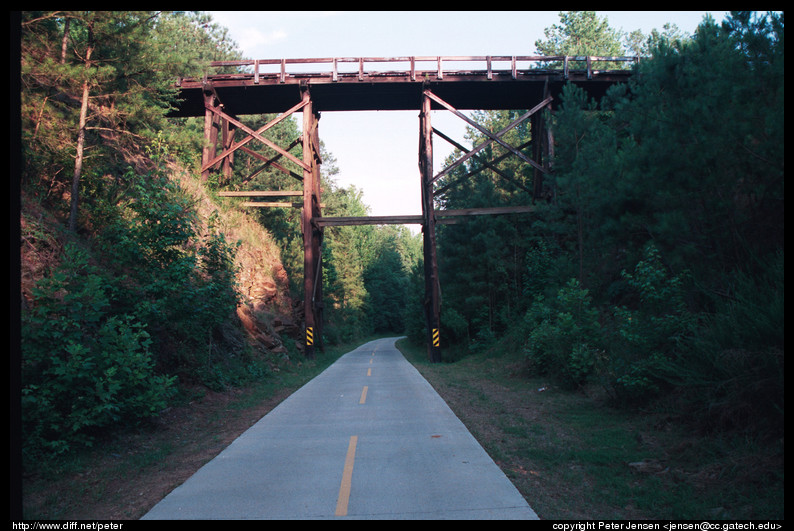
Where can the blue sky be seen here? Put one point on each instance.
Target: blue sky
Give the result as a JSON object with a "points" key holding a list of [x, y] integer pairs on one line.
{"points": [[377, 151]]}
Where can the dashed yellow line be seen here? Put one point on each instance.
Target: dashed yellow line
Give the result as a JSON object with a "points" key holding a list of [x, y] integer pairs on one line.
{"points": [[347, 474], [347, 477], [363, 395]]}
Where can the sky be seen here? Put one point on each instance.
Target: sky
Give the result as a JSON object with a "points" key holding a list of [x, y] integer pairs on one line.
{"points": [[377, 151]]}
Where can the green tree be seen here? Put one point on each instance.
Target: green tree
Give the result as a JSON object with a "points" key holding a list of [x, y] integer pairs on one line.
{"points": [[96, 87], [581, 33], [386, 281]]}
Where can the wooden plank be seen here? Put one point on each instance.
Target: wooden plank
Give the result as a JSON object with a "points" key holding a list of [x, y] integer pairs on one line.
{"points": [[258, 136], [263, 193], [264, 204], [418, 219], [367, 220], [490, 211]]}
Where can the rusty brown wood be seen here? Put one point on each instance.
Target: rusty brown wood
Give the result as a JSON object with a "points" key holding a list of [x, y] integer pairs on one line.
{"points": [[251, 137], [312, 234], [432, 300], [493, 137], [256, 135], [227, 139], [270, 162], [262, 193], [208, 150], [345, 221], [334, 74], [270, 204], [485, 164]]}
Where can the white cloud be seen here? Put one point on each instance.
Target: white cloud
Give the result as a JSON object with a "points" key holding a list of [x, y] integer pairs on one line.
{"points": [[250, 38]]}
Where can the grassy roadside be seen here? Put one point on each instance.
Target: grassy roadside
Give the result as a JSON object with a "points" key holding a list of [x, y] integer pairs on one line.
{"points": [[573, 457], [569, 455], [128, 473]]}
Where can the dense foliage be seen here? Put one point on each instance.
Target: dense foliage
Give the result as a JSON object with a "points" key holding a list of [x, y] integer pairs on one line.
{"points": [[138, 295], [654, 260], [135, 286]]}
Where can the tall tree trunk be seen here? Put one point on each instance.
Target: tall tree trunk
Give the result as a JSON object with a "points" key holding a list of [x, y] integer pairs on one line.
{"points": [[78, 163], [65, 40]]}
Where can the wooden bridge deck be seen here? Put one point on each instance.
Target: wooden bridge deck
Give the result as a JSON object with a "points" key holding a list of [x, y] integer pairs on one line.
{"points": [[351, 84]]}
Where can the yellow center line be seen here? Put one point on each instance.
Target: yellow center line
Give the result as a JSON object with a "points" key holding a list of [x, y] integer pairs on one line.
{"points": [[369, 372], [363, 395], [347, 477]]}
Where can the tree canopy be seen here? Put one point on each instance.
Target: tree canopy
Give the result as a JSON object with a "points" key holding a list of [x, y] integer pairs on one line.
{"points": [[665, 204]]}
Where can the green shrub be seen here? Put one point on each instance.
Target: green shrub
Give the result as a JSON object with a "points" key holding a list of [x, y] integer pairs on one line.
{"points": [[733, 372], [564, 335], [83, 370], [642, 343], [171, 277]]}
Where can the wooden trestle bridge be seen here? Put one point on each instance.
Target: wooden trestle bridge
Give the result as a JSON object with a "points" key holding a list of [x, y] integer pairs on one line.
{"points": [[287, 86]]}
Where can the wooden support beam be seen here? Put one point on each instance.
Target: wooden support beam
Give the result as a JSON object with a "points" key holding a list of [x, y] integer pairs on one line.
{"points": [[367, 220], [208, 150], [258, 136], [493, 137], [263, 193], [432, 300], [498, 159], [485, 164], [487, 211], [440, 215], [270, 162], [227, 139], [252, 135], [271, 204], [312, 235]]}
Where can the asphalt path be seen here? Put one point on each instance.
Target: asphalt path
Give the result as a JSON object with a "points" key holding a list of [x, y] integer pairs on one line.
{"points": [[368, 438]]}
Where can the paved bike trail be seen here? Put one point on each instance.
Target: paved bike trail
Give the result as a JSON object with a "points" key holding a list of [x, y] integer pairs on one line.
{"points": [[368, 438]]}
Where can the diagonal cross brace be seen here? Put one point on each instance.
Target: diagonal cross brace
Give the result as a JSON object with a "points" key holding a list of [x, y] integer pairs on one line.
{"points": [[493, 137], [486, 164], [258, 135]]}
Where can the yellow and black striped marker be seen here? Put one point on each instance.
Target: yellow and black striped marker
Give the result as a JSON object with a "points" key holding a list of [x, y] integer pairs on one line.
{"points": [[309, 336], [436, 340]]}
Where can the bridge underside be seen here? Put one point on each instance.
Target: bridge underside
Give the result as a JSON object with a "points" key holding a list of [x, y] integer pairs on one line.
{"points": [[241, 95], [222, 97]]}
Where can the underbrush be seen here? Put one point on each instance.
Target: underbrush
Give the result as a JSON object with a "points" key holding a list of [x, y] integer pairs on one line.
{"points": [[575, 456]]}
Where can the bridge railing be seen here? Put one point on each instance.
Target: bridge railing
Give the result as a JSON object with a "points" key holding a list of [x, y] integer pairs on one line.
{"points": [[412, 67]]}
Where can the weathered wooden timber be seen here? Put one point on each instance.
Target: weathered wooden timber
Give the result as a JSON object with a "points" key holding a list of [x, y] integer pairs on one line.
{"points": [[263, 193], [478, 82], [440, 215], [286, 86]]}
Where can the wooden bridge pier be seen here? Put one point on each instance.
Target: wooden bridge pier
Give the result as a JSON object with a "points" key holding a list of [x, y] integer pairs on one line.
{"points": [[312, 233], [216, 121], [432, 299]]}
